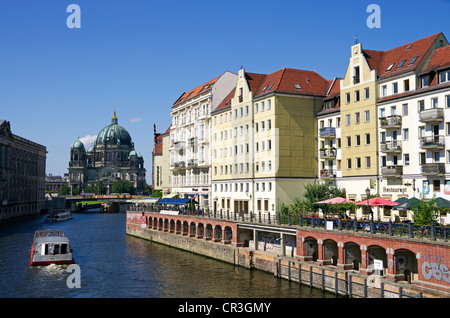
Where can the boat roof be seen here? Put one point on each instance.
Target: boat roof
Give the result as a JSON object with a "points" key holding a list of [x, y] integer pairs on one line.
{"points": [[51, 239], [46, 234]]}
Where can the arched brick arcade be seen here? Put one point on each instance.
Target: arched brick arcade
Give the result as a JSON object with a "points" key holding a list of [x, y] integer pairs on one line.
{"points": [[352, 252], [213, 230]]}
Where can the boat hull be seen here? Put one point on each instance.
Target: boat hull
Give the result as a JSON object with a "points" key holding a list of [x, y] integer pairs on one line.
{"points": [[44, 263]]}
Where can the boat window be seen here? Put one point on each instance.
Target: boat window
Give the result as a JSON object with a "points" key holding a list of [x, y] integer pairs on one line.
{"points": [[63, 248], [55, 249]]}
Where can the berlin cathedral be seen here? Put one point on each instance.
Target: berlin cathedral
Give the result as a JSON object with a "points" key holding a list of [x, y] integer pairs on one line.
{"points": [[112, 157]]}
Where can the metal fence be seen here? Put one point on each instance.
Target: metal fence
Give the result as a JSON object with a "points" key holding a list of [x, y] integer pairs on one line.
{"points": [[370, 287], [410, 230]]}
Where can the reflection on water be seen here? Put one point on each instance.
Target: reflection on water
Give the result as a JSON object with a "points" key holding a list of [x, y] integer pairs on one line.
{"points": [[113, 264]]}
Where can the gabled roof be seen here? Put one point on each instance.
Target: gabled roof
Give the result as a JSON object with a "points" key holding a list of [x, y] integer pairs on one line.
{"points": [[333, 93], [288, 80], [196, 91], [400, 59], [226, 102], [440, 59]]}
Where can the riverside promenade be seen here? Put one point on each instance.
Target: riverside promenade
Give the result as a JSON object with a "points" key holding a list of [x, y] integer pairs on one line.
{"points": [[353, 260]]}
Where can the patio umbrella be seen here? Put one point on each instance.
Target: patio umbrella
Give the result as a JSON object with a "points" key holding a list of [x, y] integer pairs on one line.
{"points": [[408, 204], [442, 203], [336, 200], [377, 201]]}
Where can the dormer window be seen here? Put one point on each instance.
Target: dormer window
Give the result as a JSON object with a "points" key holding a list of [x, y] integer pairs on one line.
{"points": [[297, 86], [413, 60], [401, 63], [390, 67], [444, 77], [425, 81]]}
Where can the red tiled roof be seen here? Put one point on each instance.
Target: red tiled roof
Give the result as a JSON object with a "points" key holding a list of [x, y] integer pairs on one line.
{"points": [[196, 91], [381, 60], [227, 101], [334, 89], [439, 60], [284, 81]]}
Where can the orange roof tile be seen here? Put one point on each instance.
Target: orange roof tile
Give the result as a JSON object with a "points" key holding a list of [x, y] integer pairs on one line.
{"points": [[439, 60], [196, 91], [397, 60]]}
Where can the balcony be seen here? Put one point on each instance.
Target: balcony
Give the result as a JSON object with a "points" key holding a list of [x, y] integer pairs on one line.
{"points": [[393, 146], [191, 164], [328, 174], [327, 132], [178, 165], [431, 115], [392, 171], [432, 142], [327, 153], [433, 169], [391, 122]]}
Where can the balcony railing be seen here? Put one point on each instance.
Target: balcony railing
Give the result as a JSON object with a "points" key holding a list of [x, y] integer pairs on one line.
{"points": [[328, 153], [391, 146], [432, 142], [392, 171], [394, 121], [328, 174], [327, 132], [433, 169], [431, 115]]}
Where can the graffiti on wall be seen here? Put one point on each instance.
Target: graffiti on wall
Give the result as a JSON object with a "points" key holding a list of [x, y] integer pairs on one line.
{"points": [[435, 267]]}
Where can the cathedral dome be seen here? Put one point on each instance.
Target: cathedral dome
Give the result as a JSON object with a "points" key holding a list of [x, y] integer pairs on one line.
{"points": [[78, 145], [114, 134]]}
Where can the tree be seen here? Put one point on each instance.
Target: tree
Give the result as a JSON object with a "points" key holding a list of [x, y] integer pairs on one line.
{"points": [[425, 212], [64, 190], [122, 186]]}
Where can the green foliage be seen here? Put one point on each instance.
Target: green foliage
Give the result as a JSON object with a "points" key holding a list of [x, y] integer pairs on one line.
{"points": [[64, 190], [425, 212], [122, 186], [97, 188], [315, 192]]}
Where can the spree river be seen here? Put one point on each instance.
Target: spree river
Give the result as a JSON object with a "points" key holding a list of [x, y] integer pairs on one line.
{"points": [[113, 264]]}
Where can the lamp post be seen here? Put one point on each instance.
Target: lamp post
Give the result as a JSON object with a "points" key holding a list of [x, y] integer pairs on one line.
{"points": [[369, 210]]}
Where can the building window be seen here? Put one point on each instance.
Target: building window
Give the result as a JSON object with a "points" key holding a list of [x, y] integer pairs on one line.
{"points": [[384, 90], [349, 141], [358, 163], [367, 116], [367, 162], [436, 185], [447, 101], [357, 118], [406, 159], [421, 131], [406, 85], [357, 96], [444, 77], [422, 156], [434, 102], [366, 93], [349, 163], [269, 104], [405, 134], [425, 81], [367, 137], [421, 105], [394, 88], [347, 120], [404, 109], [347, 98], [357, 141]]}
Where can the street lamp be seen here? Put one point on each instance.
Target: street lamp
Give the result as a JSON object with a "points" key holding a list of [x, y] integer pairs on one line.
{"points": [[368, 208]]}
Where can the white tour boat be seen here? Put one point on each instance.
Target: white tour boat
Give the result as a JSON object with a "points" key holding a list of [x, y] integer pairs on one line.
{"points": [[50, 247], [58, 215]]}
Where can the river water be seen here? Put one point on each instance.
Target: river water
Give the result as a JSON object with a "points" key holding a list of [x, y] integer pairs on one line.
{"points": [[115, 265]]}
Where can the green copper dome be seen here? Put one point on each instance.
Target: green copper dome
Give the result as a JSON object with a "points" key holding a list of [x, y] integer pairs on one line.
{"points": [[78, 145], [114, 134]]}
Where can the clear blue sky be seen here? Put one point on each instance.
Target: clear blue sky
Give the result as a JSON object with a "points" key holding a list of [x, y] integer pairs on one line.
{"points": [[58, 83]]}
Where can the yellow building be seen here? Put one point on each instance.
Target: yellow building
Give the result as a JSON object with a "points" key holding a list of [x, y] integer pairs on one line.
{"points": [[264, 149], [358, 124]]}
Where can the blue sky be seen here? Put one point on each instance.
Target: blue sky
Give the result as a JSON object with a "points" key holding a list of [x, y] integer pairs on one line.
{"points": [[139, 56]]}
